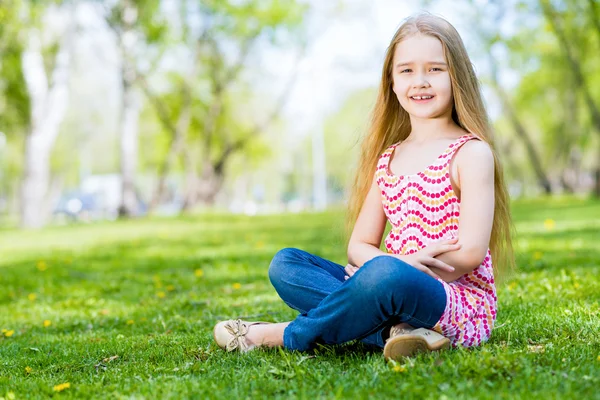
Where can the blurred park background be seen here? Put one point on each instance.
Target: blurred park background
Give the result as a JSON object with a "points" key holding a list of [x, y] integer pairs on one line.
{"points": [[229, 129], [135, 107]]}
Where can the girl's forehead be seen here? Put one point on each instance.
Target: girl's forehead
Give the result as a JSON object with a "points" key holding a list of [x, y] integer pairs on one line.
{"points": [[419, 48]]}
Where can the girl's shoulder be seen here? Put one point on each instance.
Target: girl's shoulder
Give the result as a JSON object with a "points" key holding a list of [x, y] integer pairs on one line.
{"points": [[474, 151]]}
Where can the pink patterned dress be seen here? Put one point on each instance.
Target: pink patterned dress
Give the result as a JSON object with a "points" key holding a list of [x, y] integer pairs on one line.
{"points": [[422, 209]]}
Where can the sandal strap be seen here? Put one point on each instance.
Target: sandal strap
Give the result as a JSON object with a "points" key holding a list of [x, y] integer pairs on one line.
{"points": [[238, 330], [396, 330]]}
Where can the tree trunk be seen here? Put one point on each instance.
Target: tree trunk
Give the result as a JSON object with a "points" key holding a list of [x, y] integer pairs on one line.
{"points": [[178, 137], [129, 146], [520, 130], [129, 114], [48, 108], [522, 134], [210, 184], [35, 181], [191, 182]]}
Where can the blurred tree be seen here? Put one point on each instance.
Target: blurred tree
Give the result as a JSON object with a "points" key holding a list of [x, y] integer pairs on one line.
{"points": [[136, 24], [14, 101], [571, 23], [206, 120], [35, 104], [202, 108]]}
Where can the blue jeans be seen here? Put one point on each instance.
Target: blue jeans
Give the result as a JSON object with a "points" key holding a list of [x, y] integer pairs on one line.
{"points": [[385, 291]]}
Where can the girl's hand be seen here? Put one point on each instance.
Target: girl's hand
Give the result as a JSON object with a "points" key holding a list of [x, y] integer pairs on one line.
{"points": [[424, 259], [350, 270]]}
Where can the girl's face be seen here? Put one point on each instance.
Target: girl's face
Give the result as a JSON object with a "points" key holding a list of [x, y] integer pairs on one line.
{"points": [[421, 79]]}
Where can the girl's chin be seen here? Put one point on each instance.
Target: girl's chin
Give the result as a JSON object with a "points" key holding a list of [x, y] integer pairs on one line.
{"points": [[423, 115]]}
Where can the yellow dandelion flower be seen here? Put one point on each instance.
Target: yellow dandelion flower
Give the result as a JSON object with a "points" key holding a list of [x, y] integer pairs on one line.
{"points": [[536, 348], [399, 368], [31, 296], [170, 288], [260, 244], [576, 285], [9, 333], [28, 370], [549, 224], [237, 286], [538, 255], [598, 359], [4, 330], [130, 322], [199, 273], [47, 323], [161, 295], [512, 286], [61, 387], [42, 266]]}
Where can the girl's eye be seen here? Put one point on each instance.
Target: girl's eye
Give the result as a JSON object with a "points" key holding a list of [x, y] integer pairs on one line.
{"points": [[405, 70], [436, 69]]}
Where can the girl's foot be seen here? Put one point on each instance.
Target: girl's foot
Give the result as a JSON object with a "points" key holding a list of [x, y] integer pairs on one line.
{"points": [[230, 335], [406, 342]]}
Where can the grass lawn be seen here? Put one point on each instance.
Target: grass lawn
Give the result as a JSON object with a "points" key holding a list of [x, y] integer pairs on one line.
{"points": [[126, 310]]}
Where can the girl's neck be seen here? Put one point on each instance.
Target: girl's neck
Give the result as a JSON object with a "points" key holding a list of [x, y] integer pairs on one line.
{"points": [[426, 129]]}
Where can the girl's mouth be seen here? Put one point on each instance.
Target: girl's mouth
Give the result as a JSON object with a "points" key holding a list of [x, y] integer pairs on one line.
{"points": [[422, 99]]}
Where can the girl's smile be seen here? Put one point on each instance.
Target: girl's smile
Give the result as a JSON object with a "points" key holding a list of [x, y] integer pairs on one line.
{"points": [[422, 99]]}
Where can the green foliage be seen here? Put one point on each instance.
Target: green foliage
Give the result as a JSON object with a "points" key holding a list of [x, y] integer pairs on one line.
{"points": [[130, 307], [548, 97], [231, 32], [251, 17], [14, 99], [343, 132], [142, 15]]}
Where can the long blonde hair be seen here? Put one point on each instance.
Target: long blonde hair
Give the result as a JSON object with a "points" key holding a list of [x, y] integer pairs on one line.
{"points": [[390, 123]]}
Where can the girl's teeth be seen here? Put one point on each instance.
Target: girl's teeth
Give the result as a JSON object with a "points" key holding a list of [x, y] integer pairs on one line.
{"points": [[422, 98]]}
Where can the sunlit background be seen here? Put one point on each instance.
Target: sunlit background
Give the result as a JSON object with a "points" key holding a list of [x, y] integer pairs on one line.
{"points": [[133, 108]]}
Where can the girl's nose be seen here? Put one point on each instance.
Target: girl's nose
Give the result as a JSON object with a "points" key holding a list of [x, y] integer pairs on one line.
{"points": [[420, 81]]}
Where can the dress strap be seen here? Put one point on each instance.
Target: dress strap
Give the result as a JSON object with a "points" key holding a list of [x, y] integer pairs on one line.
{"points": [[384, 159], [453, 148]]}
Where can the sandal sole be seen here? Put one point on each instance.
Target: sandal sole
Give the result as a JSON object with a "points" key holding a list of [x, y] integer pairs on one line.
{"points": [[410, 344]]}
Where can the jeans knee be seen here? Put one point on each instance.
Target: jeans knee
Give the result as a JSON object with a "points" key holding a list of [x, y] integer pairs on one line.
{"points": [[280, 264], [384, 273]]}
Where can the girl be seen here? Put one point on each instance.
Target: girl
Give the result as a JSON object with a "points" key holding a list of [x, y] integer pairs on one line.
{"points": [[429, 167]]}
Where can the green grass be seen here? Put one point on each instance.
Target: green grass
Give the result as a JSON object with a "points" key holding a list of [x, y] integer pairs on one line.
{"points": [[130, 289]]}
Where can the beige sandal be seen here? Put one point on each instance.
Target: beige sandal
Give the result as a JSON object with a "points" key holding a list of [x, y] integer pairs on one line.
{"points": [[407, 342], [230, 335]]}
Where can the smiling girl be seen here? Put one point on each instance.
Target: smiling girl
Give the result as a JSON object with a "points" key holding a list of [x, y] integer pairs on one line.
{"points": [[429, 168]]}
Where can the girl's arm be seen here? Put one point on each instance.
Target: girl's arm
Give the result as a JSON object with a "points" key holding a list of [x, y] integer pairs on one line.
{"points": [[367, 233], [475, 165]]}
